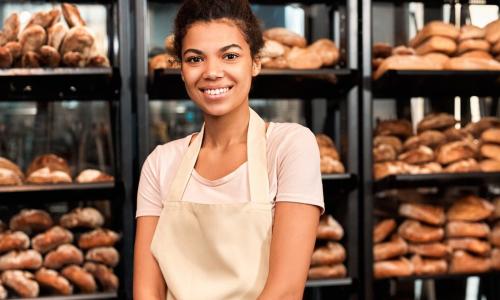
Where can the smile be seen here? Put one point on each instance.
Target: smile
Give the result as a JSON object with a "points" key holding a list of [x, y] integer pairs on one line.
{"points": [[216, 91]]}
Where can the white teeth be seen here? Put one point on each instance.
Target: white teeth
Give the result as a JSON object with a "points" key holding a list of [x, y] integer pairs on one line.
{"points": [[216, 91]]}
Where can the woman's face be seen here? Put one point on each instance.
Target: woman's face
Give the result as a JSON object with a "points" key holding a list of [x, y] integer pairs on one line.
{"points": [[217, 66]]}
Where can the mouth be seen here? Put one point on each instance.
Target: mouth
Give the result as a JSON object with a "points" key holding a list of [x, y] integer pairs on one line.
{"points": [[216, 91]]}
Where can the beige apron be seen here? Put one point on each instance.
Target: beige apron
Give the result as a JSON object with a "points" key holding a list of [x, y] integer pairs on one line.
{"points": [[217, 251]]}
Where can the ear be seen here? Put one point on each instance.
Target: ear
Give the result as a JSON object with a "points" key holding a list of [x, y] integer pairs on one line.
{"points": [[256, 66]]}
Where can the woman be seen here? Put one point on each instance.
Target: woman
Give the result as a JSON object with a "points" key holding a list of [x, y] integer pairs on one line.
{"points": [[231, 212]]}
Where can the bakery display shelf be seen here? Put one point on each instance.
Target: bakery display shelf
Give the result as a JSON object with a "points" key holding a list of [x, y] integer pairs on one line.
{"points": [[65, 191], [346, 181], [306, 84], [271, 2], [59, 83], [442, 276], [423, 83], [341, 282], [436, 180], [107, 295]]}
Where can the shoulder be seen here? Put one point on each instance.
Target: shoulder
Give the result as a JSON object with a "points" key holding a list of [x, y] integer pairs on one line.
{"points": [[289, 135], [168, 153]]}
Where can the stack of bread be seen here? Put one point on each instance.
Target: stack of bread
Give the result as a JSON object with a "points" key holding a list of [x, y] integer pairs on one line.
{"points": [[442, 46], [329, 156], [328, 258], [285, 49], [39, 257], [435, 242], [167, 60], [437, 147], [47, 168], [47, 42]]}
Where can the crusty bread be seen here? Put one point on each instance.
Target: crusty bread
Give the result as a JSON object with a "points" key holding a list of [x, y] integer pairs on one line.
{"points": [[87, 217], [405, 62], [80, 277], [471, 63], [472, 245], [52, 280], [327, 50], [493, 32], [419, 155], [455, 151], [106, 238], [384, 152], [463, 166], [489, 165], [31, 220], [462, 262], [394, 248], [453, 134], [436, 121], [51, 161], [399, 128], [392, 141], [429, 138], [285, 37], [332, 253], [51, 239], [32, 39], [45, 19], [104, 275], [470, 45], [414, 231], [381, 170], [431, 214], [491, 151], [471, 32], [403, 50], [328, 228], [491, 135], [382, 230], [435, 28], [91, 175], [66, 254], [470, 208], [21, 282], [72, 15], [477, 54], [17, 240], [426, 266], [106, 255], [325, 272], [436, 250], [55, 35], [328, 165], [460, 229], [392, 268], [437, 44], [21, 260], [477, 128], [437, 58], [304, 58]]}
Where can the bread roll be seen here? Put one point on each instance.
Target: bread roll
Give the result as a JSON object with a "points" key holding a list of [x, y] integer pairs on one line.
{"points": [[32, 39], [493, 32], [11, 28], [49, 57], [381, 170], [324, 140], [328, 228], [437, 44], [13, 241], [428, 168], [470, 208], [436, 250], [21, 282], [80, 277], [90, 175], [6, 58], [455, 151], [477, 54], [55, 35], [332, 253], [491, 135], [394, 248], [329, 165], [428, 266], [436, 122], [31, 220], [495, 236], [392, 141], [383, 153], [8, 177], [46, 175], [327, 50], [74, 59], [463, 166], [104, 275], [460, 229], [405, 62], [272, 49], [453, 134], [392, 268], [329, 151], [279, 62], [382, 50], [31, 59], [473, 245], [431, 214], [429, 138], [491, 151], [462, 262], [477, 128], [86, 217], [98, 61], [300, 58], [45, 19], [382, 230], [420, 155], [470, 45], [21, 260], [416, 232], [403, 50], [285, 37], [437, 58], [78, 39], [471, 63], [110, 257], [325, 272], [163, 61], [9, 165], [435, 28], [51, 239], [66, 254], [471, 32], [72, 15], [495, 259], [52, 280], [399, 128], [52, 161]]}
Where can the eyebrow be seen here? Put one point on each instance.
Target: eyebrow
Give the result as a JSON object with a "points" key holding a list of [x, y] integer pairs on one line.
{"points": [[223, 49]]}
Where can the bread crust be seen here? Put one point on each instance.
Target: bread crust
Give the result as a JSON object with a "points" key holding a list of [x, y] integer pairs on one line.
{"points": [[398, 128], [107, 238], [472, 245], [426, 266], [21, 260], [435, 28], [109, 256], [17, 240], [470, 208], [51, 239], [104, 275], [55, 282], [394, 248], [80, 278], [460, 229], [437, 44], [66, 254], [31, 220], [323, 272], [328, 228], [430, 214], [285, 37], [331, 254], [21, 282], [392, 268], [435, 250], [416, 232], [86, 217], [462, 262], [383, 229]]}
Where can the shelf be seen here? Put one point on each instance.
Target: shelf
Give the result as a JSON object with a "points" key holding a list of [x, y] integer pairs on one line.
{"points": [[68, 191], [59, 84], [345, 181], [442, 276], [322, 83], [437, 180], [343, 282], [108, 295], [268, 2], [418, 83]]}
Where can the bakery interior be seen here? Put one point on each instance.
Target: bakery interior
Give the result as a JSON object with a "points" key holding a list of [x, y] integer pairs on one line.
{"points": [[402, 96]]}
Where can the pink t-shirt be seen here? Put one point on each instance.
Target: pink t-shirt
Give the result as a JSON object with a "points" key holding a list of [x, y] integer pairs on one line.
{"points": [[293, 168]]}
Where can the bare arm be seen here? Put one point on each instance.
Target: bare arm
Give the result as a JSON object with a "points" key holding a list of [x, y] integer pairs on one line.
{"points": [[148, 280], [292, 244]]}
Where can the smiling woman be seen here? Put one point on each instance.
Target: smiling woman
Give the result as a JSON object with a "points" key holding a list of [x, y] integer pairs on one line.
{"points": [[230, 212]]}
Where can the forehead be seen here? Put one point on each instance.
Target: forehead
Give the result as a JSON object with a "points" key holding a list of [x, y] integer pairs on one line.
{"points": [[214, 35]]}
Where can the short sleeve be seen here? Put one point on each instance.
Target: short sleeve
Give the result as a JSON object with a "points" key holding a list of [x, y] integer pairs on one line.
{"points": [[299, 174], [149, 201]]}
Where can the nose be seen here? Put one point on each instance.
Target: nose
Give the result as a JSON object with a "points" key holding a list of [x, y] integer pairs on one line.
{"points": [[213, 70]]}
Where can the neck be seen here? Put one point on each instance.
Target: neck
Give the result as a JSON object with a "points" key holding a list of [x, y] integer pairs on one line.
{"points": [[230, 129]]}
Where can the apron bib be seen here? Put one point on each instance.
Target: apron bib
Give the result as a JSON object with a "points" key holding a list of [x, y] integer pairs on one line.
{"points": [[217, 251]]}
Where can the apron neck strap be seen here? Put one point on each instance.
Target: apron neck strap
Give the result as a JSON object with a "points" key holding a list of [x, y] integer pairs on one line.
{"points": [[256, 156]]}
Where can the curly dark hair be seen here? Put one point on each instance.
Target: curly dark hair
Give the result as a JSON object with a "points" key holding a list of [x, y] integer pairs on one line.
{"points": [[239, 11]]}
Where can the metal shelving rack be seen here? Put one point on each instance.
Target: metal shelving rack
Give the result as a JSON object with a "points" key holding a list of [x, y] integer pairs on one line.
{"points": [[89, 84], [338, 85], [401, 86]]}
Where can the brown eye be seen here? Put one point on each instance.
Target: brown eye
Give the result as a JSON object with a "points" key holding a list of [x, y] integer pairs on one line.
{"points": [[194, 59], [231, 56]]}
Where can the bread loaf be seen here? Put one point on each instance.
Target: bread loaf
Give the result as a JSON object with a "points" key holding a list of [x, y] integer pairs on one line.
{"points": [[416, 232], [328, 228], [107, 238], [285, 37], [324, 272], [49, 57], [327, 50], [272, 49], [66, 254], [324, 140], [394, 248], [399, 128], [52, 280], [392, 141], [329, 165], [303, 58], [437, 44], [428, 266], [11, 28], [435, 28], [90, 175], [493, 32], [495, 236], [45, 19], [462, 262], [490, 151], [329, 151], [55, 35], [463, 166], [453, 134], [110, 257], [436, 250], [45, 175], [429, 138], [104, 275], [392, 268], [439, 59], [405, 62], [32, 39], [477, 54], [382, 230], [163, 61], [471, 32], [496, 48], [436, 122], [86, 217], [51, 239], [472, 245], [381, 170], [491, 135], [420, 155], [470, 208], [9, 165], [279, 62], [431, 214], [455, 151], [383, 153], [31, 220], [460, 229], [471, 63], [477, 128], [473, 44], [13, 241], [8, 177], [332, 253], [403, 50], [81, 278], [21, 282], [21, 260], [72, 15]]}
